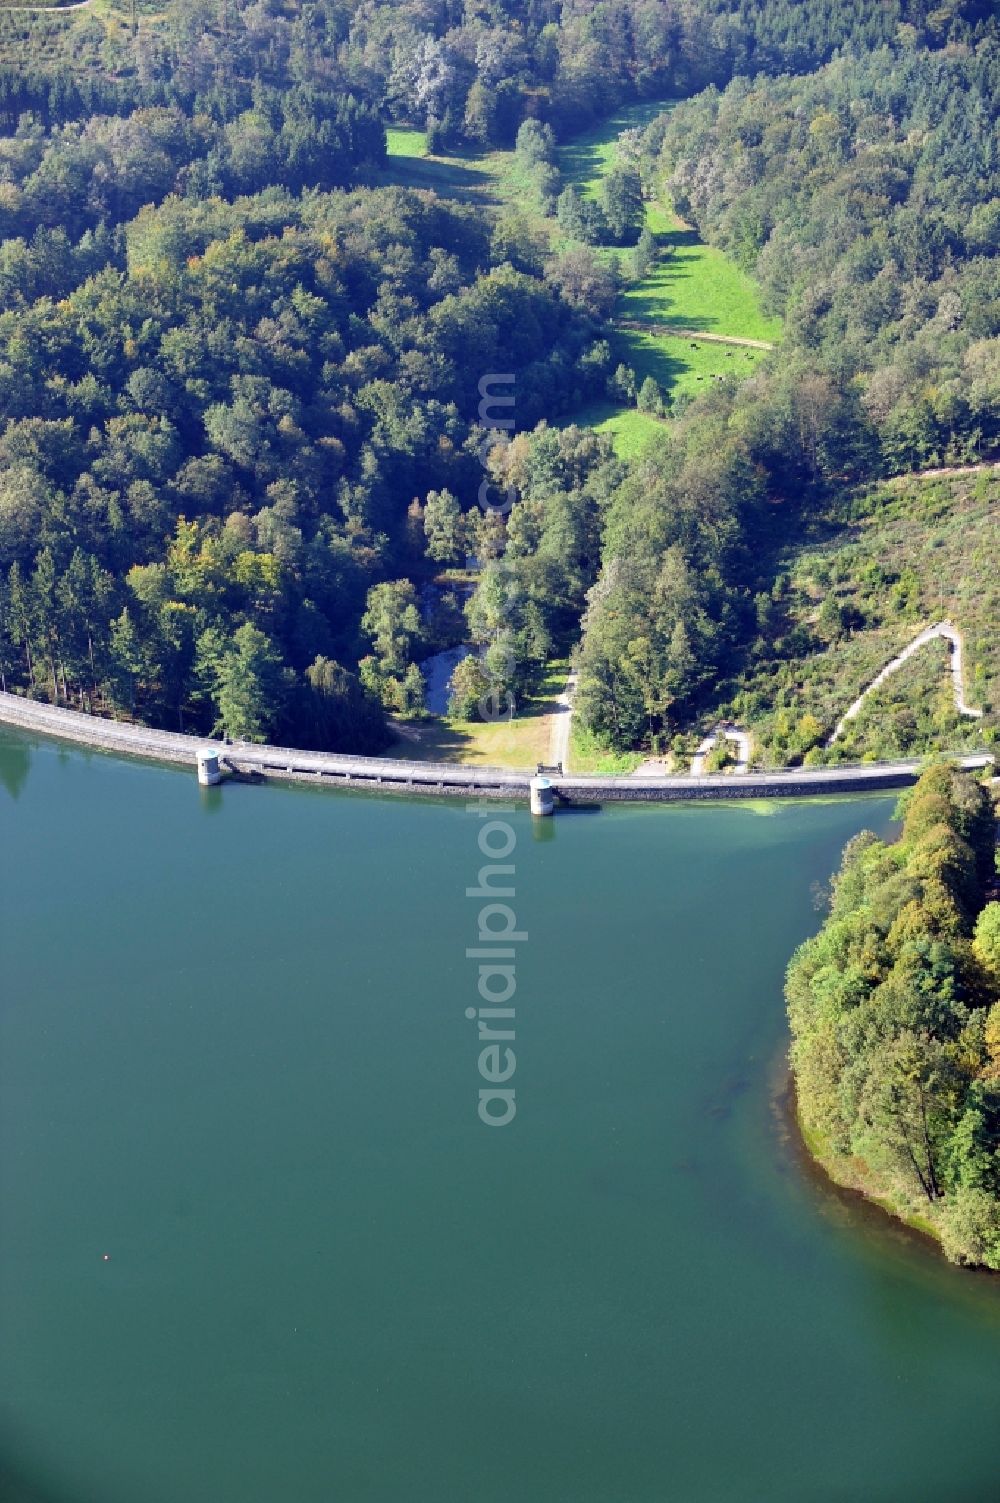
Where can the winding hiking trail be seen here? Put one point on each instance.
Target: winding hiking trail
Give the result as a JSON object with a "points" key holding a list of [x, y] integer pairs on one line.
{"points": [[941, 629], [656, 767]]}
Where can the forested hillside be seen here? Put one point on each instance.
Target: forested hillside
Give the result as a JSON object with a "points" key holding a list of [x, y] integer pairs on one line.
{"points": [[895, 1014], [240, 374], [864, 199]]}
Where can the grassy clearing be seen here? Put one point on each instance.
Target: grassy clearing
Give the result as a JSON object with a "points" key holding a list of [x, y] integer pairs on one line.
{"points": [[404, 141], [691, 286], [631, 431], [469, 176], [694, 286], [587, 158], [518, 743], [679, 370], [492, 179], [683, 367]]}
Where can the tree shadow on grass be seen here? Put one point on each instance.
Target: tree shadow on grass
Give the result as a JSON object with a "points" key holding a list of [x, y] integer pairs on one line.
{"points": [[464, 179], [666, 366], [654, 300], [430, 740], [587, 158], [580, 162]]}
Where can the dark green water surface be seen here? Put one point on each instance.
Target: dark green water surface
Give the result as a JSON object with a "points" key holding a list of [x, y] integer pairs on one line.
{"points": [[256, 1246]]}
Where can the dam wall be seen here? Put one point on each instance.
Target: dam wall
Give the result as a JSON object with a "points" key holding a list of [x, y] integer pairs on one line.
{"points": [[250, 762]]}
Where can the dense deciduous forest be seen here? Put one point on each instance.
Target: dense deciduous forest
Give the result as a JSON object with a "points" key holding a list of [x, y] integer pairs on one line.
{"points": [[220, 436], [895, 1014], [239, 375]]}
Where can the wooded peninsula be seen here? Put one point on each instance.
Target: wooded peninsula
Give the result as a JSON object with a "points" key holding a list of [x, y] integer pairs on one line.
{"points": [[895, 1015]]}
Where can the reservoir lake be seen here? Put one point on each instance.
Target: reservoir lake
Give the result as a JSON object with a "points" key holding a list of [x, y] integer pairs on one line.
{"points": [[257, 1245]]}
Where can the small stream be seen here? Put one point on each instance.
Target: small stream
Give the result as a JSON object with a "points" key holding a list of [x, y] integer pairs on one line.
{"points": [[439, 667], [437, 670]]}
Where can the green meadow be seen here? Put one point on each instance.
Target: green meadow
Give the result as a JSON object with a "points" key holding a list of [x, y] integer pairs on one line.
{"points": [[470, 176], [694, 286], [587, 158], [691, 286], [631, 431], [683, 367], [403, 141]]}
